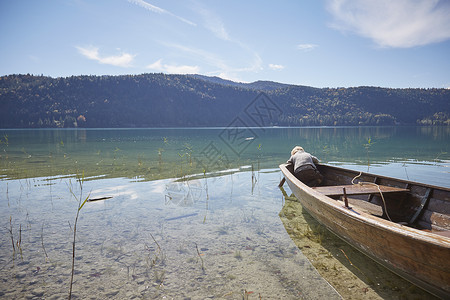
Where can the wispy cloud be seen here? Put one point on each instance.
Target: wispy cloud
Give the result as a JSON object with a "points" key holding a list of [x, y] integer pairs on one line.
{"points": [[200, 55], [213, 23], [159, 10], [122, 60], [399, 23], [220, 66], [307, 47], [215, 63], [173, 69], [276, 67]]}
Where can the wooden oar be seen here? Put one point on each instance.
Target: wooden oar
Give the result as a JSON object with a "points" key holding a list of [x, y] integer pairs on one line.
{"points": [[282, 182]]}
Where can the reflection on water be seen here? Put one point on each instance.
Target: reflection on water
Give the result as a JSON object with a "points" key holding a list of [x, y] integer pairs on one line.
{"points": [[215, 234], [185, 193]]}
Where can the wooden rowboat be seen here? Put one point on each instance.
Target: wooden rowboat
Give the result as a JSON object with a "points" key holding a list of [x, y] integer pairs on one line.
{"points": [[406, 227]]}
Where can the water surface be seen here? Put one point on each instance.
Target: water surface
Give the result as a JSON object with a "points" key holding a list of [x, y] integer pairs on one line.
{"points": [[162, 153], [194, 213]]}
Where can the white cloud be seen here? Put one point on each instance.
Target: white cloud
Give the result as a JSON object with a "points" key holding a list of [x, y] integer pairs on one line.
{"points": [[398, 23], [276, 67], [307, 47], [159, 10], [123, 60], [173, 69]]}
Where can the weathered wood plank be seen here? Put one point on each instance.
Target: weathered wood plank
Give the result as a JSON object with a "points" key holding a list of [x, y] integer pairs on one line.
{"points": [[357, 189], [366, 206], [435, 218]]}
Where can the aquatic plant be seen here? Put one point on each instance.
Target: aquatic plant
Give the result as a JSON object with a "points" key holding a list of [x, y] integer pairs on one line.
{"points": [[4, 140], [42, 242], [19, 241], [201, 258], [160, 160], [7, 193], [12, 235], [16, 245], [437, 158], [159, 255], [207, 196], [80, 206], [367, 147], [153, 261], [159, 277], [253, 179], [188, 152]]}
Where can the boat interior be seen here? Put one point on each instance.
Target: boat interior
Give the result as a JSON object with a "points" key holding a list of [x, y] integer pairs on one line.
{"points": [[420, 206]]}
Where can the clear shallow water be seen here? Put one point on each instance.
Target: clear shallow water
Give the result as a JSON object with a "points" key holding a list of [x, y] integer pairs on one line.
{"points": [[208, 237]]}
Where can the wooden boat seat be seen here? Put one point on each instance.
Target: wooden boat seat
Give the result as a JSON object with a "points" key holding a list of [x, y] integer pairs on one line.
{"points": [[357, 189], [367, 207]]}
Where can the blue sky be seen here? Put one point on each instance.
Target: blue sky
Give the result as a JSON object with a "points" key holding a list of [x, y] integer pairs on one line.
{"points": [[320, 43]]}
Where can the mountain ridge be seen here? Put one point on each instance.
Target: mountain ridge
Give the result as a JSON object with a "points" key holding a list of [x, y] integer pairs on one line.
{"points": [[163, 100]]}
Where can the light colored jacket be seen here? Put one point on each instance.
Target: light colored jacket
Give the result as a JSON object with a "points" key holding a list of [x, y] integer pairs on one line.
{"points": [[301, 159]]}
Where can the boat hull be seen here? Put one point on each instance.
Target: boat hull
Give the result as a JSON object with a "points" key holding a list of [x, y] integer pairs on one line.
{"points": [[422, 258]]}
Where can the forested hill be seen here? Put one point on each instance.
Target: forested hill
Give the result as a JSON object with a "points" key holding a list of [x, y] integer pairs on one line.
{"points": [[159, 100]]}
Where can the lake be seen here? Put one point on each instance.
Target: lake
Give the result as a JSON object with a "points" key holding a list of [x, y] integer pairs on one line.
{"points": [[191, 213]]}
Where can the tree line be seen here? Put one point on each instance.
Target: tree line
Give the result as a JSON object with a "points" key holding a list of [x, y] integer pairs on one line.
{"points": [[161, 100]]}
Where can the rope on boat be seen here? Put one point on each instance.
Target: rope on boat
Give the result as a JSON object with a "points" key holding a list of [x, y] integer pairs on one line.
{"points": [[378, 187]]}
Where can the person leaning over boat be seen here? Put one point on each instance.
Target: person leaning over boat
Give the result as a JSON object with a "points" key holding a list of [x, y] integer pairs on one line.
{"points": [[304, 166]]}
